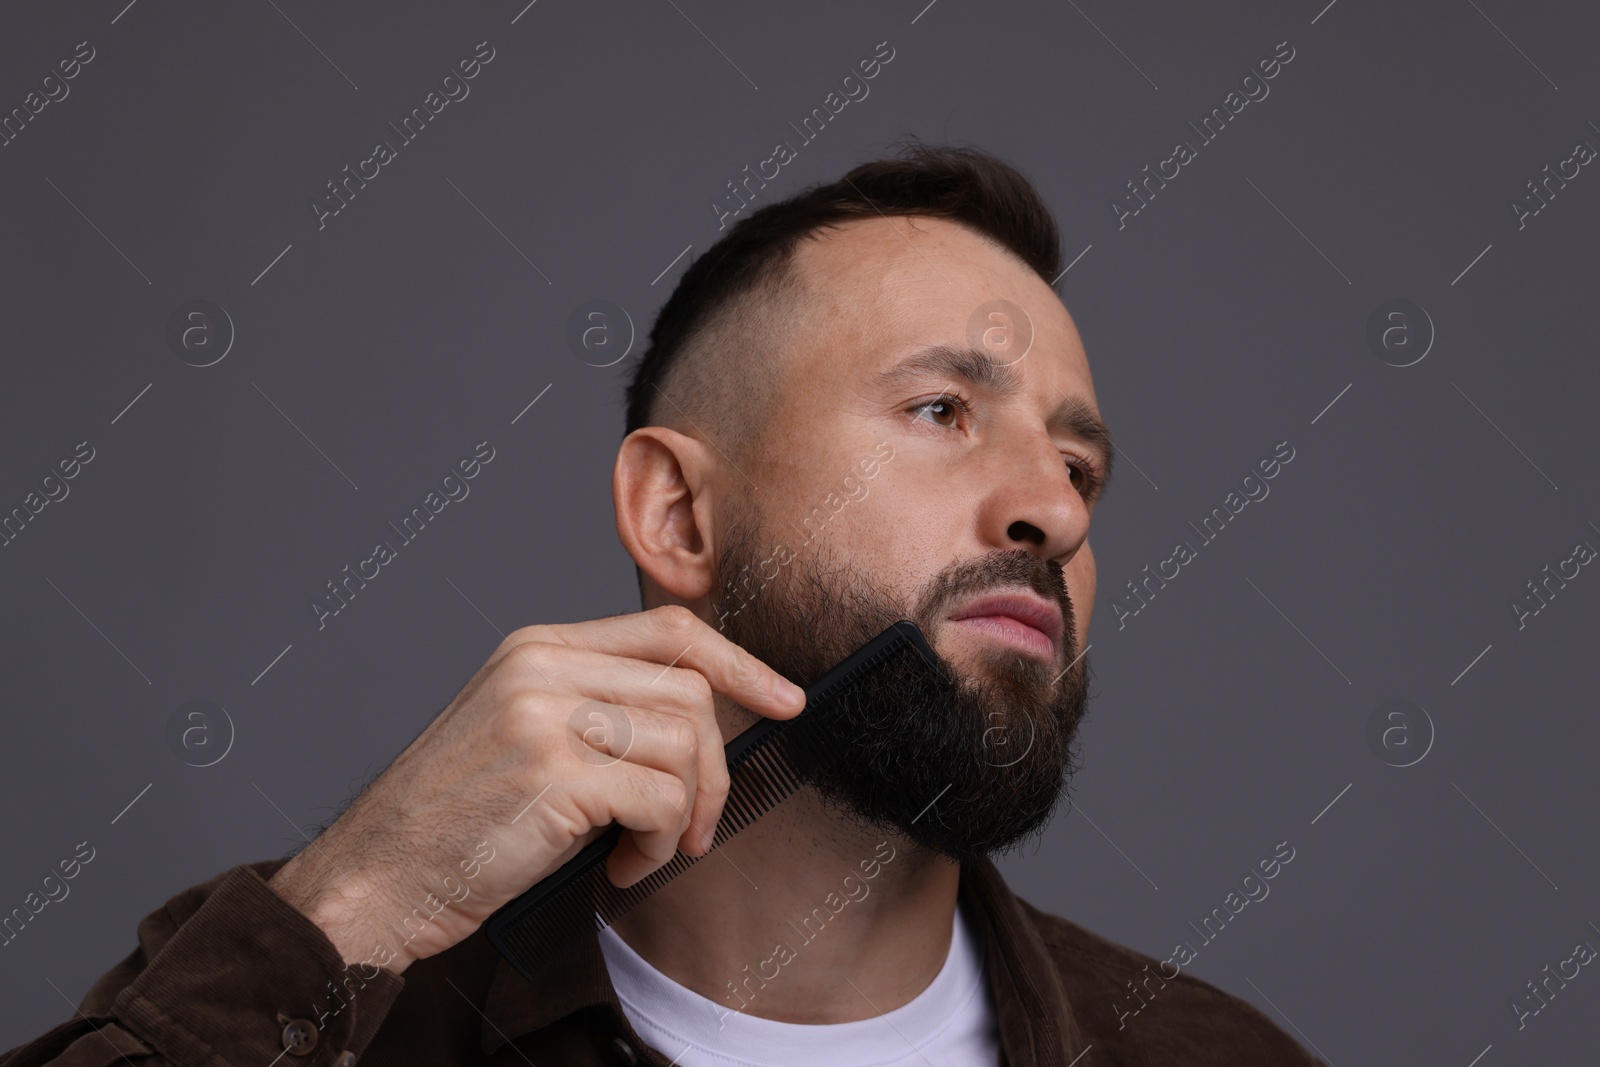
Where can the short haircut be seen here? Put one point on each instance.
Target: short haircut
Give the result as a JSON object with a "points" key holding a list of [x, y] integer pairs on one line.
{"points": [[717, 350], [729, 307]]}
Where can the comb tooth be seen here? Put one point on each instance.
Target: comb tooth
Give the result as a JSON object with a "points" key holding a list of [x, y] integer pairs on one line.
{"points": [[761, 785], [780, 777], [757, 770], [736, 800], [763, 782], [733, 817], [749, 810], [793, 746], [753, 767], [749, 799], [755, 786]]}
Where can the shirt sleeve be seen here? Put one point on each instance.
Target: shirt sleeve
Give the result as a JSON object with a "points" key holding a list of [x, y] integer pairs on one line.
{"points": [[227, 973]]}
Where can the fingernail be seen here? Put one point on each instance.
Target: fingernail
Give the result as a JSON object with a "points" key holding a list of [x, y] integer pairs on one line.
{"points": [[789, 692]]}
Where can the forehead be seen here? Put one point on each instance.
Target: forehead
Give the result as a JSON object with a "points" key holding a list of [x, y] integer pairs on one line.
{"points": [[883, 286]]}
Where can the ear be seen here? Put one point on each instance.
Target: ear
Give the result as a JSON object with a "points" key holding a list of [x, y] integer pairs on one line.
{"points": [[661, 487]]}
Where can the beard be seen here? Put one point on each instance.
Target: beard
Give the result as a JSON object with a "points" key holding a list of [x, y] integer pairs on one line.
{"points": [[965, 765]]}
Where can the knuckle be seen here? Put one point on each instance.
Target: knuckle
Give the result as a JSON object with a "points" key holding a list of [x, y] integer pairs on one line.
{"points": [[565, 817], [695, 685], [525, 712], [521, 735], [675, 619], [530, 657], [660, 791], [682, 736], [523, 634], [677, 795], [749, 672], [570, 811]]}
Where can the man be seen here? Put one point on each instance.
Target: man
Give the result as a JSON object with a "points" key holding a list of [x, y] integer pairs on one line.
{"points": [[863, 404]]}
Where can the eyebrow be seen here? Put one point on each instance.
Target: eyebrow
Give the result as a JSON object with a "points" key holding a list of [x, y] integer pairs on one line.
{"points": [[1073, 415]]}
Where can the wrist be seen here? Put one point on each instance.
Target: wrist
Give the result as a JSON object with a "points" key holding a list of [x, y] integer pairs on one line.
{"points": [[341, 908]]}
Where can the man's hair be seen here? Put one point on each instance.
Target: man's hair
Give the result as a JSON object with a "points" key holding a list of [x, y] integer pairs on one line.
{"points": [[715, 358]]}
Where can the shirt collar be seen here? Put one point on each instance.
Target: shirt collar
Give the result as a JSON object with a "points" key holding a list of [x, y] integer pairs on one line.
{"points": [[1037, 1027]]}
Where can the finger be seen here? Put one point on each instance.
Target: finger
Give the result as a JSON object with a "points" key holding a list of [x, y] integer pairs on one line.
{"points": [[628, 682], [628, 863], [650, 806], [675, 636], [620, 679], [605, 734], [689, 748]]}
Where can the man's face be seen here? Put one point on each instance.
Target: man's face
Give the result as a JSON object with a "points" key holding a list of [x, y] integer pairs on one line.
{"points": [[892, 490]]}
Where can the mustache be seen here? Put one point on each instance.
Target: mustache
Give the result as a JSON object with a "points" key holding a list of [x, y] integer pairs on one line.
{"points": [[997, 570]]}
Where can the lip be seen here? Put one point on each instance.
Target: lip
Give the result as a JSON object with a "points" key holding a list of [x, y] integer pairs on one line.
{"points": [[1030, 611]]}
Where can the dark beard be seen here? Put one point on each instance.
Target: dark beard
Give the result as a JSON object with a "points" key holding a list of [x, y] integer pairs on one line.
{"points": [[965, 766]]}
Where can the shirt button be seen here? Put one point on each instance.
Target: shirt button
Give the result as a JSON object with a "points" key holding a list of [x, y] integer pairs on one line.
{"points": [[299, 1037], [624, 1051]]}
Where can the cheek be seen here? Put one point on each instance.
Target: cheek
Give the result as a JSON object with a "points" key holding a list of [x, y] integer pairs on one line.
{"points": [[1081, 580], [881, 544]]}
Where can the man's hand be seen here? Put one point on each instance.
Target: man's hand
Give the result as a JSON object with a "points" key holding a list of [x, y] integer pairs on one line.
{"points": [[566, 729]]}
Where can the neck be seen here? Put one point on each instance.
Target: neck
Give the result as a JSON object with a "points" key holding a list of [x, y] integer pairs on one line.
{"points": [[769, 923]]}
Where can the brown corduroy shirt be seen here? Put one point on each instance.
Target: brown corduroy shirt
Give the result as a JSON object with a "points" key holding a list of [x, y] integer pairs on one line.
{"points": [[228, 973]]}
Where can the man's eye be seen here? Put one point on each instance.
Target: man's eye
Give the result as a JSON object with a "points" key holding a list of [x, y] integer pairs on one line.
{"points": [[941, 409], [1086, 478]]}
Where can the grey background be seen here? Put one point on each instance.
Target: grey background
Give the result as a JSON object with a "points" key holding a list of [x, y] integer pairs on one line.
{"points": [[1224, 318]]}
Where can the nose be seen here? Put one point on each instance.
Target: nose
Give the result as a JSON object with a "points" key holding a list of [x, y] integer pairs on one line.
{"points": [[1032, 504]]}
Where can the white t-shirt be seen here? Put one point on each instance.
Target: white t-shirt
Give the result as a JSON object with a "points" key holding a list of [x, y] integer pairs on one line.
{"points": [[952, 1023]]}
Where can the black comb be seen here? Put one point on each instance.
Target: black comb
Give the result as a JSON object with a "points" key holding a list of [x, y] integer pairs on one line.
{"points": [[541, 922]]}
